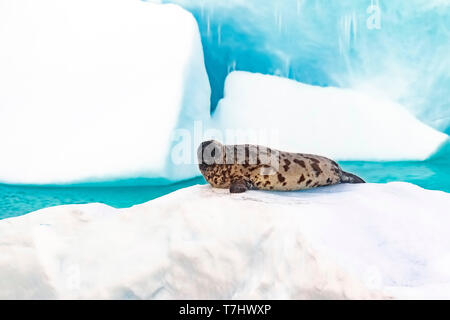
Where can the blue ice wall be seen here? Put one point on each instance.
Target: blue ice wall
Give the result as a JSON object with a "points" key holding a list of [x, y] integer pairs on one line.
{"points": [[396, 48]]}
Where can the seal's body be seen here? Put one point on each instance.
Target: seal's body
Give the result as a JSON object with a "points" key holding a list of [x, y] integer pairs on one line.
{"points": [[243, 167]]}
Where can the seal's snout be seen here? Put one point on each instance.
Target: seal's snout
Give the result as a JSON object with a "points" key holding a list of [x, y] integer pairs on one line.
{"points": [[209, 152]]}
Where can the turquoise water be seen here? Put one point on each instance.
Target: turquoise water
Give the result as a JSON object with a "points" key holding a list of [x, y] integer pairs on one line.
{"points": [[18, 200], [428, 175]]}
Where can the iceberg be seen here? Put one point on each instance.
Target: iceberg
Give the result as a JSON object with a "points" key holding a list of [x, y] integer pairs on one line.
{"points": [[93, 90], [393, 49], [344, 124], [365, 241]]}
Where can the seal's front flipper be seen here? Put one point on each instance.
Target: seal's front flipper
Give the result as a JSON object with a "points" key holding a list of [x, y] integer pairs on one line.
{"points": [[238, 186]]}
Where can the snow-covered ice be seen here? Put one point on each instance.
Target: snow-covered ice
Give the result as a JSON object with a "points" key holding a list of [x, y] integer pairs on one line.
{"points": [[343, 124], [92, 90], [345, 241]]}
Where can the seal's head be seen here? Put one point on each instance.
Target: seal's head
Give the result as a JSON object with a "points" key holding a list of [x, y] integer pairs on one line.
{"points": [[209, 153]]}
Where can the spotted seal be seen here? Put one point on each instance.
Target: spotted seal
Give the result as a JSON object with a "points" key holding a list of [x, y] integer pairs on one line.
{"points": [[246, 167]]}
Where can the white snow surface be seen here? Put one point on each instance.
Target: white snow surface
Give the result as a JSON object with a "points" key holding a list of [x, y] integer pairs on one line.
{"points": [[343, 124], [92, 90], [366, 241]]}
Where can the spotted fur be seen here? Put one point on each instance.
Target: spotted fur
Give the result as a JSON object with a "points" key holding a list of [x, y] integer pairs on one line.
{"points": [[295, 171]]}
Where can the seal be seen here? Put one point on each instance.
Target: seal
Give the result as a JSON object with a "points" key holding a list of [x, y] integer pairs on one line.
{"points": [[252, 167]]}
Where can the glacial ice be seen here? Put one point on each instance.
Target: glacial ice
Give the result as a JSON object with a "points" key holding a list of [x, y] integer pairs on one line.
{"points": [[92, 90], [344, 241], [98, 97], [343, 124], [393, 49]]}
